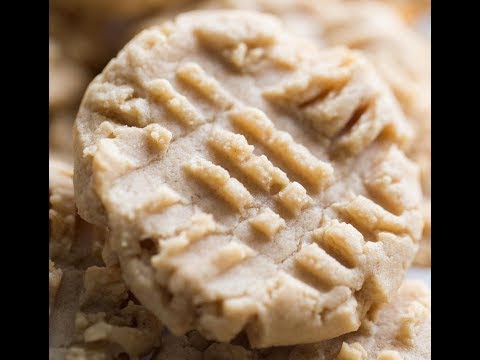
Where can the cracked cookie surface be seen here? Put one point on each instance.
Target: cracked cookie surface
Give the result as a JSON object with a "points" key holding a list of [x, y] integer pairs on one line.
{"points": [[249, 181]]}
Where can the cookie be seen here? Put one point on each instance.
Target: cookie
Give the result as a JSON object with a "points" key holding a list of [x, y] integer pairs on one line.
{"points": [[73, 246], [403, 59], [67, 80], [110, 323], [249, 181], [401, 330], [400, 55], [72, 242]]}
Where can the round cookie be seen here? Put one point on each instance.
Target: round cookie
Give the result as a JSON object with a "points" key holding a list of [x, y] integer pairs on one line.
{"points": [[249, 181]]}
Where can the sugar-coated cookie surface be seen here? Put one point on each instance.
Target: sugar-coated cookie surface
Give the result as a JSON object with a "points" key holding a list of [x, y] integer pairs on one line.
{"points": [[249, 181]]}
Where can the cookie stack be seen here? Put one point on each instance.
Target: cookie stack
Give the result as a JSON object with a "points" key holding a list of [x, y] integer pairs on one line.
{"points": [[248, 180]]}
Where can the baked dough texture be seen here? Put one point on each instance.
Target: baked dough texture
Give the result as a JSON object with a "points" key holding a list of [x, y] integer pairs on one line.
{"points": [[110, 323], [401, 56], [400, 331], [74, 245], [72, 242], [249, 181]]}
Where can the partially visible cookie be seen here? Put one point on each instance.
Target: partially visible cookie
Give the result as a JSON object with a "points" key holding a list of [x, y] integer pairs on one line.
{"points": [[400, 331], [400, 55], [250, 181], [403, 59], [72, 242], [92, 314], [67, 79], [73, 246], [110, 324]]}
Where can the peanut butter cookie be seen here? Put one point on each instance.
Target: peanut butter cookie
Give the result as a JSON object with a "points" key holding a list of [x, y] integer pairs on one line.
{"points": [[401, 56], [249, 181], [400, 331]]}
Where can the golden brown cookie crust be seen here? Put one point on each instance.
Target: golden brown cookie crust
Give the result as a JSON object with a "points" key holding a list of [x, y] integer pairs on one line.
{"points": [[325, 225]]}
